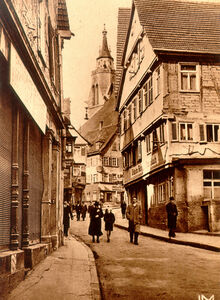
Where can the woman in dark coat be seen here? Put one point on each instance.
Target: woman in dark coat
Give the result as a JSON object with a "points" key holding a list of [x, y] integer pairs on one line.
{"points": [[171, 217], [95, 222], [109, 219], [67, 213]]}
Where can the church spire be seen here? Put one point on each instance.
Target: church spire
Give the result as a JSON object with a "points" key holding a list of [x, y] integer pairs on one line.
{"points": [[104, 52]]}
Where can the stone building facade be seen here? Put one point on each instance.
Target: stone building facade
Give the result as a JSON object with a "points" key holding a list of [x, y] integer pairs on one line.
{"points": [[169, 106], [31, 126]]}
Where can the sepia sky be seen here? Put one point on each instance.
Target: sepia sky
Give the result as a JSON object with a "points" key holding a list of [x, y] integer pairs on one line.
{"points": [[87, 19]]}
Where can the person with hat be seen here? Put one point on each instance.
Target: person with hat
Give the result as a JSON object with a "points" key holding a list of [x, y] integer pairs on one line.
{"points": [[95, 222], [134, 215], [171, 217]]}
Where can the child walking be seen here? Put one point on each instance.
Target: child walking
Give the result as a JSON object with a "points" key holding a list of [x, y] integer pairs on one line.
{"points": [[109, 219]]}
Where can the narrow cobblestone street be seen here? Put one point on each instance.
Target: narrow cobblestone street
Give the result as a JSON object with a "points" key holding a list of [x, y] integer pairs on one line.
{"points": [[152, 270]]}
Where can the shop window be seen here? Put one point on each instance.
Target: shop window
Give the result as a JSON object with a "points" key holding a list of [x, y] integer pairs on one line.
{"points": [[94, 198], [189, 77], [162, 192], [186, 131], [211, 184]]}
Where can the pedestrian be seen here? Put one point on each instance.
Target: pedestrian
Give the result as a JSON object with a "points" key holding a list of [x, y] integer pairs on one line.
{"points": [[83, 211], [67, 213], [171, 217], [123, 208], [109, 219], [134, 215], [95, 222], [78, 211], [90, 208]]}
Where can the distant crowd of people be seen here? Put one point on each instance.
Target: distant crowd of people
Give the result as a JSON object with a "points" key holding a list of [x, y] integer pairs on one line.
{"points": [[132, 212]]}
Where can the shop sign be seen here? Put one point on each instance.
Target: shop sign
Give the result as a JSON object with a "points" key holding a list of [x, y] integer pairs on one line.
{"points": [[26, 90], [137, 170]]}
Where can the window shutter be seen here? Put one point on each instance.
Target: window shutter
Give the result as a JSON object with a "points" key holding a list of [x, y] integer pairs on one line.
{"points": [[202, 132], [174, 131]]}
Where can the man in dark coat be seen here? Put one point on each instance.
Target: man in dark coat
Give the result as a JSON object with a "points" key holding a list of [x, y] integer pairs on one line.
{"points": [[95, 222], [123, 208], [78, 211], [109, 219], [171, 217], [83, 211], [134, 215], [67, 213]]}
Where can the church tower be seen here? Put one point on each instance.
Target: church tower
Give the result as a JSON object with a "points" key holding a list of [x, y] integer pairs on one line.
{"points": [[103, 77]]}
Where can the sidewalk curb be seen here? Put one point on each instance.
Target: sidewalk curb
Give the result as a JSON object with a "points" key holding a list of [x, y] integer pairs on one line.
{"points": [[95, 287], [175, 241]]}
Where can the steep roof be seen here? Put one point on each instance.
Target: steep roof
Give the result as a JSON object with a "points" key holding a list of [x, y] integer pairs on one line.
{"points": [[104, 51], [62, 16], [91, 131], [122, 28], [181, 25]]}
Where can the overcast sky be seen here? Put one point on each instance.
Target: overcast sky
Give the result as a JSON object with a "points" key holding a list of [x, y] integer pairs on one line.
{"points": [[87, 19]]}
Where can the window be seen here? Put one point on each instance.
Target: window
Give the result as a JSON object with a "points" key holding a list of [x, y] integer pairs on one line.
{"points": [[162, 139], [174, 131], [209, 132], [83, 151], [105, 161], [212, 133], [211, 184], [114, 177], [148, 92], [148, 143], [162, 192], [94, 177], [158, 81], [155, 140], [189, 77], [125, 120], [139, 150], [186, 131], [140, 101], [76, 171], [68, 148], [94, 198], [135, 109], [114, 162], [105, 177], [129, 115]]}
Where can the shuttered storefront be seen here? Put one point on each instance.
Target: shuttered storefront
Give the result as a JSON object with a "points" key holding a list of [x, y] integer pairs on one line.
{"points": [[36, 183], [5, 169], [20, 175]]}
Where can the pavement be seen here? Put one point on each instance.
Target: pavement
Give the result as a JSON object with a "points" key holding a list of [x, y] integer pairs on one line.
{"points": [[70, 272]]}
